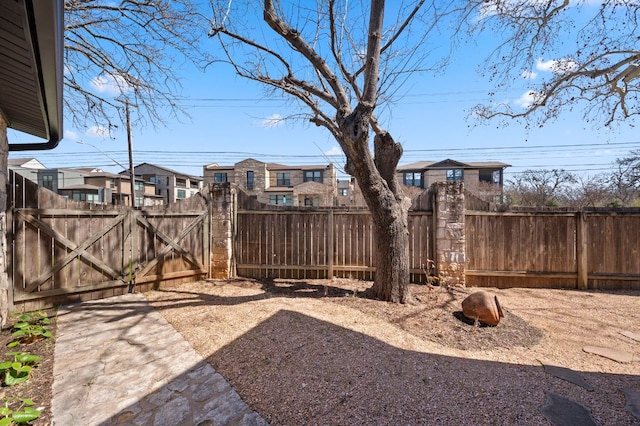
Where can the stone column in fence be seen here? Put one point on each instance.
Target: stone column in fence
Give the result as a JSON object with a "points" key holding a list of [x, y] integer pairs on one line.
{"points": [[222, 212], [449, 226], [4, 278]]}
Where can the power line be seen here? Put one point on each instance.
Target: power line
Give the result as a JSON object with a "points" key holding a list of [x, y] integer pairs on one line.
{"points": [[515, 148]]}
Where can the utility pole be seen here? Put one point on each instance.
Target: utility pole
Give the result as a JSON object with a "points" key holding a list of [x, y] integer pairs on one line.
{"points": [[130, 144], [132, 177]]}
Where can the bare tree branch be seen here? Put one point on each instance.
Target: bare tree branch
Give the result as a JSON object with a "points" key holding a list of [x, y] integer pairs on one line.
{"points": [[597, 62], [132, 49]]}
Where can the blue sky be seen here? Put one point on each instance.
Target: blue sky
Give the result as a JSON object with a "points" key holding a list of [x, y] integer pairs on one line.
{"points": [[232, 119]]}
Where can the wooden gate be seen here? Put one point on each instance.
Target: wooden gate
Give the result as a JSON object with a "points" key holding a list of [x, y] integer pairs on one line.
{"points": [[62, 251]]}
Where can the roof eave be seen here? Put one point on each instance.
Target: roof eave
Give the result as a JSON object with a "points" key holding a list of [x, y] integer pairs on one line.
{"points": [[46, 26]]}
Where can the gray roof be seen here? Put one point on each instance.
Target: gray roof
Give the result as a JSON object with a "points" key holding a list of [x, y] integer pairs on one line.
{"points": [[170, 171], [82, 186], [31, 73], [423, 165]]}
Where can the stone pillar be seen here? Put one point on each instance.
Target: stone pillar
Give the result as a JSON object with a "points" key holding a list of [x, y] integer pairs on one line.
{"points": [[449, 228], [222, 210], [4, 278]]}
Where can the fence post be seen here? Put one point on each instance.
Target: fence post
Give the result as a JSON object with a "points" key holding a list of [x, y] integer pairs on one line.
{"points": [[582, 250], [222, 223], [449, 231], [330, 245], [129, 227], [206, 232]]}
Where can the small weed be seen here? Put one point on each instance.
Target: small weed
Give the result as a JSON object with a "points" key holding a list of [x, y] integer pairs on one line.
{"points": [[30, 328], [22, 414], [18, 370], [353, 295]]}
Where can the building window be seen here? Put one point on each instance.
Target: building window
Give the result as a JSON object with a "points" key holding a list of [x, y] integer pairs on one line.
{"points": [[454, 175], [344, 192], [489, 176], [311, 201], [112, 183], [47, 181], [220, 177], [139, 201], [283, 200], [83, 196], [283, 179], [249, 179], [413, 179], [182, 193], [138, 186], [152, 179], [313, 176]]}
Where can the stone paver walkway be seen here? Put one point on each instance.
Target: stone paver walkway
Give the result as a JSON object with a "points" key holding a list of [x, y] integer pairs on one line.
{"points": [[118, 362]]}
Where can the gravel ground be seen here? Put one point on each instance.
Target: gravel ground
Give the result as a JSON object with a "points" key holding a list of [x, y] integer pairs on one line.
{"points": [[314, 352]]}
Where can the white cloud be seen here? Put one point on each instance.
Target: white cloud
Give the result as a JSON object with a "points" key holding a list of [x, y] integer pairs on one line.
{"points": [[273, 120], [98, 132], [529, 75], [528, 99], [110, 85], [70, 134], [333, 151], [560, 66]]}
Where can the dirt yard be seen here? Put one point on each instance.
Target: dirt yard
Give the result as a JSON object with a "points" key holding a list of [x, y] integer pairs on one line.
{"points": [[316, 352]]}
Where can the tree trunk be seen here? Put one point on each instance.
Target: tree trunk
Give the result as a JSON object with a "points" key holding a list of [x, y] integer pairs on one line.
{"points": [[376, 176], [392, 257], [391, 225]]}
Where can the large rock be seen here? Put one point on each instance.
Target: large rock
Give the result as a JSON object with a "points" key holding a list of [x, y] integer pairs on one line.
{"points": [[483, 307]]}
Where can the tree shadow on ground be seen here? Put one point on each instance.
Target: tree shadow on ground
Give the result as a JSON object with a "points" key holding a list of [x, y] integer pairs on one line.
{"points": [[295, 369]]}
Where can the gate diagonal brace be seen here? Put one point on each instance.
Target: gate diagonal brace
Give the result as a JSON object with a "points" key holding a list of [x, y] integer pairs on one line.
{"points": [[170, 244]]}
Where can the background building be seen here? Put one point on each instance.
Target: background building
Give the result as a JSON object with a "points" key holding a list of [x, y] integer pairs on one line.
{"points": [[279, 184], [169, 184], [97, 186], [485, 179]]}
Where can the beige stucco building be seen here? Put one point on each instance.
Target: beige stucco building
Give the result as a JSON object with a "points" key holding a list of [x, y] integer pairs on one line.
{"points": [[271, 183], [483, 178]]}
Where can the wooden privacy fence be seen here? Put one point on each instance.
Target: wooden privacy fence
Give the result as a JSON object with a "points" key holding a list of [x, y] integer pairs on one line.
{"points": [[586, 250], [61, 250], [596, 249], [320, 244]]}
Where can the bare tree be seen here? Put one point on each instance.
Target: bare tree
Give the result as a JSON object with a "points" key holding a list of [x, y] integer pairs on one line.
{"points": [[342, 61], [132, 49], [624, 179], [537, 188], [589, 191], [592, 52]]}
